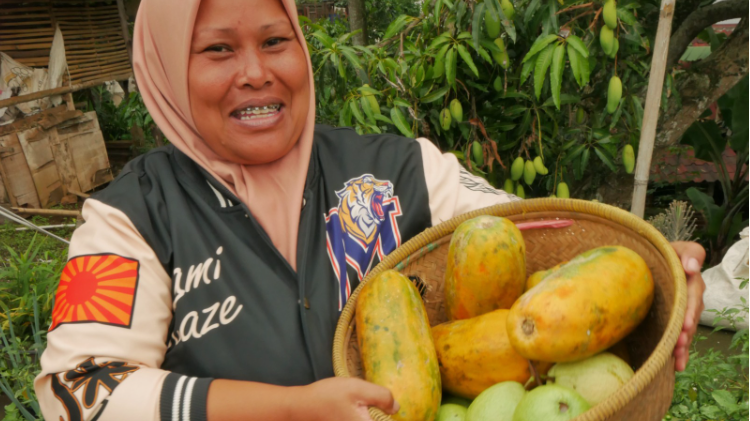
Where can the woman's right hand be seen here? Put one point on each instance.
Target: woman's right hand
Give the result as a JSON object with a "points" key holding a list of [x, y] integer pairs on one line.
{"points": [[337, 398]]}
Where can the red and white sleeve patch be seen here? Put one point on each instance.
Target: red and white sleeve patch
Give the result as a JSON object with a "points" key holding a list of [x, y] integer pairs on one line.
{"points": [[98, 288]]}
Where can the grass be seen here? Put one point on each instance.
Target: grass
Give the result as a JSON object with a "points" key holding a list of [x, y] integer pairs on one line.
{"points": [[20, 240]]}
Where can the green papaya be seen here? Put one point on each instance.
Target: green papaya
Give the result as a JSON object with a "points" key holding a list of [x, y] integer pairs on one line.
{"points": [[539, 166], [519, 191], [516, 169], [457, 111], [628, 158], [614, 94], [498, 84], [607, 39], [492, 23], [445, 119], [501, 57], [609, 13], [508, 9], [529, 172], [562, 191], [477, 153], [508, 186]]}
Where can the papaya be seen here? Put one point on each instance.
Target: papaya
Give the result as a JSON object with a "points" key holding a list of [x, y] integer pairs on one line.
{"points": [[520, 192], [589, 304], [396, 346], [475, 354], [508, 186], [497, 85], [457, 111], [516, 169], [445, 119], [609, 13], [492, 23], [562, 191], [485, 268], [606, 39], [539, 276], [476, 153], [508, 9], [614, 94], [529, 172], [628, 158]]}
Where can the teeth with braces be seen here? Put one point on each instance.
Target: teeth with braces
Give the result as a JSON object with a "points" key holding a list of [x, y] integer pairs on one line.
{"points": [[255, 112]]}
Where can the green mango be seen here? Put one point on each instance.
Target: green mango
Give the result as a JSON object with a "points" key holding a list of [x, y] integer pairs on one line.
{"points": [[498, 84], [562, 191], [628, 158], [501, 57], [508, 186], [445, 119], [508, 9], [606, 39], [609, 13], [457, 111], [529, 173], [614, 94], [539, 166], [520, 192], [516, 169], [492, 23], [477, 153]]}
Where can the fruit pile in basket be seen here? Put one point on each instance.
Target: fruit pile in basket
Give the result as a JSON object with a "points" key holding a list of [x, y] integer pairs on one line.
{"points": [[508, 334]]}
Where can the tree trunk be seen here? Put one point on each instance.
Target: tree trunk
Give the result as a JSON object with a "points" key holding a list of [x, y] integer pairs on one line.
{"points": [[357, 21], [707, 81]]}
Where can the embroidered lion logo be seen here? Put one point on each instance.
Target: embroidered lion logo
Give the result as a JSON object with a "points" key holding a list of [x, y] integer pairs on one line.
{"points": [[362, 226]]}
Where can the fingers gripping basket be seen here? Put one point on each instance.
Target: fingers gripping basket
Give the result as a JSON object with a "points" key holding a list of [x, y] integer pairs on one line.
{"points": [[648, 394]]}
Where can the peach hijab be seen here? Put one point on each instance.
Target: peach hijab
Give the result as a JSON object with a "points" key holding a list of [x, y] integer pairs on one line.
{"points": [[161, 50]]}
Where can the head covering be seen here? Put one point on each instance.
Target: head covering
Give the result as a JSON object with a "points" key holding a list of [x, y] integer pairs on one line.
{"points": [[161, 50]]}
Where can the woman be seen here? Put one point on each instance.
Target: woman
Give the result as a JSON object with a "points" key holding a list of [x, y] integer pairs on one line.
{"points": [[208, 278]]}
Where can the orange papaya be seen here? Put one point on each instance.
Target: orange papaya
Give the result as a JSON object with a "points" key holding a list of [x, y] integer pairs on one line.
{"points": [[475, 354], [485, 268], [585, 307], [395, 343]]}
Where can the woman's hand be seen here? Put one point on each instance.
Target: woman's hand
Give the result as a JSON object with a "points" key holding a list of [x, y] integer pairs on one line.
{"points": [[692, 256], [344, 399]]}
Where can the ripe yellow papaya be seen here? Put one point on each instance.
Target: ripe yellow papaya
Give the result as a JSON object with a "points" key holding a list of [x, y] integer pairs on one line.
{"points": [[628, 158], [475, 354], [609, 13], [538, 276], [395, 342], [457, 111], [614, 94], [606, 39], [516, 169], [445, 119], [562, 191], [485, 268], [585, 307]]}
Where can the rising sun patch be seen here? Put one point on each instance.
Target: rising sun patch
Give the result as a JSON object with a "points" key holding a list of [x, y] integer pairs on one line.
{"points": [[96, 289]]}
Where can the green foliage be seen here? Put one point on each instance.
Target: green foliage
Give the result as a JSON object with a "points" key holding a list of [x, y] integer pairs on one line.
{"points": [[426, 60], [709, 139], [715, 386], [26, 300]]}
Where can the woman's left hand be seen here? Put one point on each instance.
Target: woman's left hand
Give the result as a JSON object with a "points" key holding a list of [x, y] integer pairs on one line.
{"points": [[692, 256]]}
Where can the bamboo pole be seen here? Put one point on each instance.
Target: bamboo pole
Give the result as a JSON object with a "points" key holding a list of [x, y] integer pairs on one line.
{"points": [[54, 212], [651, 112], [59, 91]]}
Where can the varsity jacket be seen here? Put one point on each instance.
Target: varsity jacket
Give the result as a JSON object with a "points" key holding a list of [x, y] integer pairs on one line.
{"points": [[171, 282]]}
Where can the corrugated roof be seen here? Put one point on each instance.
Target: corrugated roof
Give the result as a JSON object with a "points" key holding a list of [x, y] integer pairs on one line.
{"points": [[679, 165]]}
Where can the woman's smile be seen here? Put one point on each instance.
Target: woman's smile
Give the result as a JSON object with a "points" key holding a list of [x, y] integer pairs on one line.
{"points": [[259, 114]]}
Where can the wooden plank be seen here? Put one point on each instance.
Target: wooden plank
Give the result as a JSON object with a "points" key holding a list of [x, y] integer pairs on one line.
{"points": [[11, 10], [47, 118], [6, 48], [31, 62], [64, 160], [35, 23], [125, 31], [21, 16], [89, 53], [62, 90], [74, 64], [5, 41], [90, 157], [83, 72], [30, 54], [36, 146], [20, 186], [39, 211]]}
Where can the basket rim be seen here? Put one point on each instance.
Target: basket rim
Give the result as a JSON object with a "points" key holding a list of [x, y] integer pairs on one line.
{"points": [[659, 358]]}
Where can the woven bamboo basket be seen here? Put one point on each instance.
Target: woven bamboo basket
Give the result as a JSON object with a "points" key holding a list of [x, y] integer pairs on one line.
{"points": [[648, 394]]}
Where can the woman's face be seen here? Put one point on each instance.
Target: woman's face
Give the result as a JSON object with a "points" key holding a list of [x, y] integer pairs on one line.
{"points": [[247, 80]]}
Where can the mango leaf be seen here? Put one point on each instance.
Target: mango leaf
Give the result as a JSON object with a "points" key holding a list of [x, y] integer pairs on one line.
{"points": [[351, 55], [626, 16], [565, 99], [369, 90], [540, 44], [638, 110], [482, 88], [401, 103], [482, 52], [356, 112], [573, 154], [449, 3], [450, 66], [705, 204], [618, 113], [540, 69], [400, 122], [530, 10], [526, 70], [578, 44], [575, 64], [585, 159], [513, 110], [324, 38], [467, 59], [738, 141], [436, 12], [463, 35], [555, 73], [396, 26], [436, 95], [705, 137], [583, 67], [384, 119], [439, 40], [344, 38], [605, 157], [476, 24], [460, 12], [726, 400], [367, 109], [345, 117]]}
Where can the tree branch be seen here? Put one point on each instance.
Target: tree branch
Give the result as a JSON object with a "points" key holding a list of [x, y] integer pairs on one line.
{"points": [[704, 84], [699, 20]]}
